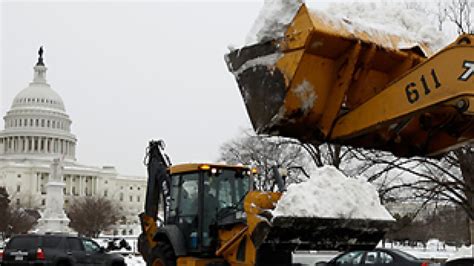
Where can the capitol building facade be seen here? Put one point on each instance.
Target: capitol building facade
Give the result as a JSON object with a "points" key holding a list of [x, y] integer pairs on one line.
{"points": [[37, 131]]}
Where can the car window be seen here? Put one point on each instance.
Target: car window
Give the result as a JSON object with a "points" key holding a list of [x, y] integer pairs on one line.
{"points": [[354, 257], [385, 258], [90, 246], [23, 242], [74, 244], [371, 257], [51, 241]]}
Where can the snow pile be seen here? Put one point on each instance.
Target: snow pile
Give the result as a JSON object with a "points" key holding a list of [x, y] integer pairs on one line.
{"points": [[463, 252], [330, 194], [273, 20], [375, 19], [131, 260], [393, 18]]}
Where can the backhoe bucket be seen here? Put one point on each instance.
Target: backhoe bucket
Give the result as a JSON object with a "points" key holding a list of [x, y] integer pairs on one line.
{"points": [[296, 86], [311, 233]]}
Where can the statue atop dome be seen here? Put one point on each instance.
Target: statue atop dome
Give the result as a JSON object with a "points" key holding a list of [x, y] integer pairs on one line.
{"points": [[40, 58]]}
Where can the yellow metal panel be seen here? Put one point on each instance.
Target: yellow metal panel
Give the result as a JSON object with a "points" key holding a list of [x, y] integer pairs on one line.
{"points": [[409, 95], [297, 33], [344, 80], [193, 261]]}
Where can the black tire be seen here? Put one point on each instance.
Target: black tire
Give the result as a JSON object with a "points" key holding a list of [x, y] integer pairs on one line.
{"points": [[63, 263], [162, 255]]}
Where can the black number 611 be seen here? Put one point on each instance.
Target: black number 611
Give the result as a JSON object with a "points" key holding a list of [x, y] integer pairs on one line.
{"points": [[411, 89]]}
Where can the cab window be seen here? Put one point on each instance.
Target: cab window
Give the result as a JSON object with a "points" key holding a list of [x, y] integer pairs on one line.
{"points": [[188, 199]]}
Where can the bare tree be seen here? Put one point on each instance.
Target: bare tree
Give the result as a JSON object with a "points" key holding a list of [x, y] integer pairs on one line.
{"points": [[448, 180], [460, 13], [4, 210], [21, 220], [91, 215], [264, 153], [15, 218]]}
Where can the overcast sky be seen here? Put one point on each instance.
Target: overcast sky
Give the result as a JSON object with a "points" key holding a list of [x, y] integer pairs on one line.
{"points": [[131, 72]]}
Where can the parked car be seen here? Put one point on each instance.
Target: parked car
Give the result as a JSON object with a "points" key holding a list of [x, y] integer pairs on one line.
{"points": [[460, 262], [57, 250], [375, 257]]}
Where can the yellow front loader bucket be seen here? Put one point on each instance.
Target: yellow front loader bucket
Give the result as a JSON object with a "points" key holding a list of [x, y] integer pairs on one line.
{"points": [[330, 80]]}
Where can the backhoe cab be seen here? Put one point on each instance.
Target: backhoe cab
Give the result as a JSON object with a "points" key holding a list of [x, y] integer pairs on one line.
{"points": [[194, 201]]}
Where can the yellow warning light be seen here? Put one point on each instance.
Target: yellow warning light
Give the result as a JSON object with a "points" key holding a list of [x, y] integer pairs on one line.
{"points": [[205, 167], [254, 170]]}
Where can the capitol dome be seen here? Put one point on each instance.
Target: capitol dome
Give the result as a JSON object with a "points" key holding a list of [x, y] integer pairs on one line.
{"points": [[38, 95], [37, 125]]}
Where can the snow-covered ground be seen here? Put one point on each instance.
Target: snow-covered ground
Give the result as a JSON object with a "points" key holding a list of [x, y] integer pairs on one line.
{"points": [[132, 260]]}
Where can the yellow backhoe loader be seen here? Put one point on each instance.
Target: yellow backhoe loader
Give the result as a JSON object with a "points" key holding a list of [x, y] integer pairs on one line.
{"points": [[210, 216], [319, 83]]}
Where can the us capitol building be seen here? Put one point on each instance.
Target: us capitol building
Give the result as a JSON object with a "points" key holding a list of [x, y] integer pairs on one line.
{"points": [[38, 130]]}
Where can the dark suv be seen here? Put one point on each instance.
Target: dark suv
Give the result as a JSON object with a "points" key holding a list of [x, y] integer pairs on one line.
{"points": [[55, 250]]}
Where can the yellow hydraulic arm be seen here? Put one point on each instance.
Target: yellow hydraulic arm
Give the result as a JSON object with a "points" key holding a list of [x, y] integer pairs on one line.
{"points": [[330, 81]]}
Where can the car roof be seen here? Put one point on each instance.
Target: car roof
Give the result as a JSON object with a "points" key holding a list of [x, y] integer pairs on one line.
{"points": [[47, 235]]}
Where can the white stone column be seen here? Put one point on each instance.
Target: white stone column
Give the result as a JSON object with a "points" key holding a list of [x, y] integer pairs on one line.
{"points": [[27, 144], [70, 185], [22, 144], [38, 184], [80, 185]]}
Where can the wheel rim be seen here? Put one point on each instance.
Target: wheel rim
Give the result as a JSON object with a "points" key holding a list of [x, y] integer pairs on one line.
{"points": [[158, 262]]}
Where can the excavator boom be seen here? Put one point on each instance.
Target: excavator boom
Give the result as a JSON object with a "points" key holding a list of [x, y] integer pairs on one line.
{"points": [[328, 82]]}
